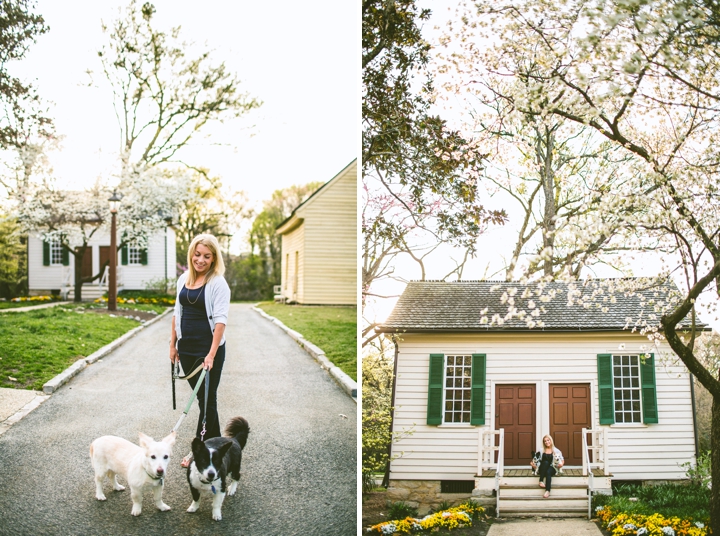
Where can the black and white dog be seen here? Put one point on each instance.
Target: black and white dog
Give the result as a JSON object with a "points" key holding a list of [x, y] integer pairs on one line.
{"points": [[536, 458], [215, 469]]}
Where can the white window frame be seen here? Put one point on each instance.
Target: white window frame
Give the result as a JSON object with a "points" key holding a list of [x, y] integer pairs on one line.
{"points": [[56, 252], [627, 383], [464, 389], [134, 255]]}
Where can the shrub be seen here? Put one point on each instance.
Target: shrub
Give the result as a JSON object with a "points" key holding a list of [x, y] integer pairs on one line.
{"points": [[699, 474], [401, 510], [670, 500]]}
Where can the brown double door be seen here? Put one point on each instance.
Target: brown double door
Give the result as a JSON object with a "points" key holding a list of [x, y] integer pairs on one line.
{"points": [[569, 414], [515, 412]]}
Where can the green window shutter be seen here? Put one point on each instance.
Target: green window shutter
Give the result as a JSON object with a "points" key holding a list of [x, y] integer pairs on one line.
{"points": [[606, 404], [477, 406], [435, 389], [46, 253], [143, 256], [649, 391], [124, 255], [65, 257]]}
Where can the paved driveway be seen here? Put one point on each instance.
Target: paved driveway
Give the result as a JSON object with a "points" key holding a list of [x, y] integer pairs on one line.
{"points": [[299, 467]]}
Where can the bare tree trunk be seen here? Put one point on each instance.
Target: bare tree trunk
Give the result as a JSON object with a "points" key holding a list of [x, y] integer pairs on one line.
{"points": [[547, 175], [78, 274], [715, 467]]}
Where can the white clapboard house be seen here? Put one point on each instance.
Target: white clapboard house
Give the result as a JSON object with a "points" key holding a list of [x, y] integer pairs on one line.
{"points": [[319, 245], [51, 270], [474, 397]]}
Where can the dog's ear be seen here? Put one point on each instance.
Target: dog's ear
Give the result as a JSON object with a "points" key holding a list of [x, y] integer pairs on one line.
{"points": [[223, 450], [197, 444], [145, 440], [170, 439]]}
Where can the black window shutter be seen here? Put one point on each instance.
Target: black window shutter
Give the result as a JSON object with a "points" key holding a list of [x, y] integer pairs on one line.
{"points": [[143, 256], [649, 389], [477, 406], [65, 256], [606, 402], [435, 389], [46, 253], [124, 255]]}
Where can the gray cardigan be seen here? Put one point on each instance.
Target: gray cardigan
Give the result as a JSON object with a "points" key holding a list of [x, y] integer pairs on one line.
{"points": [[217, 303]]}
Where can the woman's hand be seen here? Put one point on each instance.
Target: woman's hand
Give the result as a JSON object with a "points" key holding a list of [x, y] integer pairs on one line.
{"points": [[561, 464], [532, 464], [174, 356], [208, 363]]}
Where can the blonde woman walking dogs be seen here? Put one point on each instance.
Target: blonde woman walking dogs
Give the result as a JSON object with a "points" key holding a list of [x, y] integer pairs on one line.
{"points": [[550, 462], [198, 326]]}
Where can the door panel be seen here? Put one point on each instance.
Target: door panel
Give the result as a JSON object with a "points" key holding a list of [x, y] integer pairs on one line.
{"points": [[515, 412], [569, 414]]}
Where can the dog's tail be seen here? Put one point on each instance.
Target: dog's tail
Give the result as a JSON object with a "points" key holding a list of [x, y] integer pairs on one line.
{"points": [[238, 428]]}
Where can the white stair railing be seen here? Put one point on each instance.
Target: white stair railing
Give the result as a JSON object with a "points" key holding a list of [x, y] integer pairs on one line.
{"points": [[103, 281], [486, 457], [598, 447]]}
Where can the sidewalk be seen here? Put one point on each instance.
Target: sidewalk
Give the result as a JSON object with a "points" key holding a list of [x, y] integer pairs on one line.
{"points": [[544, 527], [33, 307]]}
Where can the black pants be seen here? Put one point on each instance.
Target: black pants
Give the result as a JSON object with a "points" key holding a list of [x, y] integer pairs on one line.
{"points": [[547, 471], [189, 363]]}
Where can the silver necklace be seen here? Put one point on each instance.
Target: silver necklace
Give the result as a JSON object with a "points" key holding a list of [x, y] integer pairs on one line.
{"points": [[196, 297]]}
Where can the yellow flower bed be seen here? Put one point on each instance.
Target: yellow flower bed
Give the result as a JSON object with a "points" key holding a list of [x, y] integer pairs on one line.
{"points": [[452, 518], [156, 301], [32, 299], [623, 524]]}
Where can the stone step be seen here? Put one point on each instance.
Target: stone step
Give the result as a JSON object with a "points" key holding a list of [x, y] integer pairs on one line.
{"points": [[558, 480], [89, 292], [557, 491], [543, 513], [539, 506]]}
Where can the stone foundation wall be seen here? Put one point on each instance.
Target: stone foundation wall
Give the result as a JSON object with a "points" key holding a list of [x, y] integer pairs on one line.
{"points": [[425, 495]]}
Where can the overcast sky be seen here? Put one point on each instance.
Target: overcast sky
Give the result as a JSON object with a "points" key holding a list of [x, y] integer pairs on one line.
{"points": [[300, 58]]}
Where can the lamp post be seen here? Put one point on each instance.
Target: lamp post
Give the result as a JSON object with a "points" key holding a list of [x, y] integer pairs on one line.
{"points": [[112, 276]]}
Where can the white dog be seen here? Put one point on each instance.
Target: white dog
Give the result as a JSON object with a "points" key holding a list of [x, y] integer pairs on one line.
{"points": [[141, 466]]}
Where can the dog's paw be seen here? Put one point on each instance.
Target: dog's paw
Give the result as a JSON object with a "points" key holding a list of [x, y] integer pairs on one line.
{"points": [[163, 507], [118, 487], [193, 507], [136, 510], [232, 488], [217, 515], [101, 497]]}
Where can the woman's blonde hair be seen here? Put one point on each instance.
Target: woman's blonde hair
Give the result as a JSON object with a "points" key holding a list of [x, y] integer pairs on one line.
{"points": [[216, 268], [552, 443]]}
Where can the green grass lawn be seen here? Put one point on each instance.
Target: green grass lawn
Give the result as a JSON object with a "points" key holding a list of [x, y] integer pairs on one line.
{"points": [[334, 329], [37, 345]]}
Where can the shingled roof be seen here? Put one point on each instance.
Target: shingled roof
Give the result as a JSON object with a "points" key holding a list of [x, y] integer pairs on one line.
{"points": [[480, 306]]}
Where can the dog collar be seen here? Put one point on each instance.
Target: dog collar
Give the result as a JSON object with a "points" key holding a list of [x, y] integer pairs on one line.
{"points": [[160, 478]]}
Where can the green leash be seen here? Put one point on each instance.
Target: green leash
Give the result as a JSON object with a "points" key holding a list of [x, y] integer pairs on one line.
{"points": [[195, 391]]}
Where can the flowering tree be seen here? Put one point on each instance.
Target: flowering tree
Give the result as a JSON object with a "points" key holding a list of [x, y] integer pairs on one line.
{"points": [[644, 76], [75, 217]]}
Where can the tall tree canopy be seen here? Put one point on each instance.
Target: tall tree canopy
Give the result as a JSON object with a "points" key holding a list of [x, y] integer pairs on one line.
{"points": [[20, 104], [409, 155]]}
